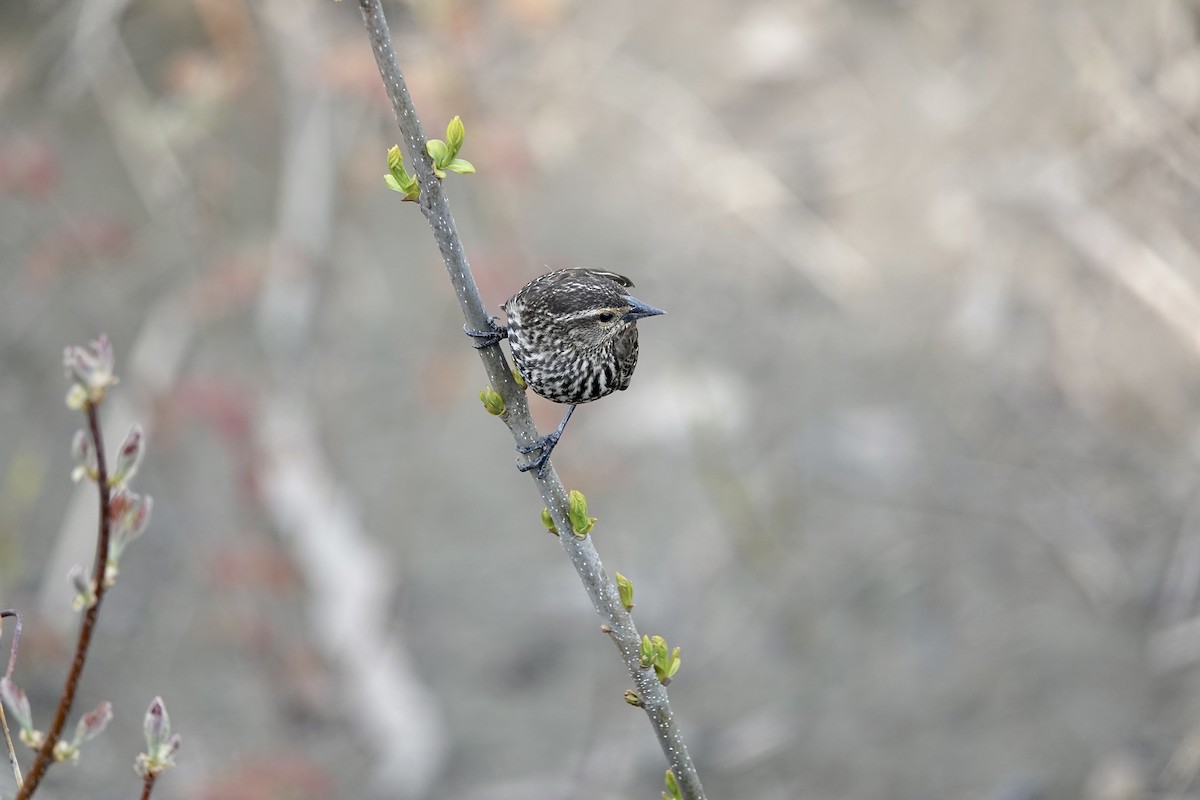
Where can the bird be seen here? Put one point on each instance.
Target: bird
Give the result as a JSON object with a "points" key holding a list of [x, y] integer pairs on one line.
{"points": [[573, 336]]}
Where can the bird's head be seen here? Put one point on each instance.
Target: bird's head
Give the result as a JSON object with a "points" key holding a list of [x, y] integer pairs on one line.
{"points": [[595, 318], [580, 309]]}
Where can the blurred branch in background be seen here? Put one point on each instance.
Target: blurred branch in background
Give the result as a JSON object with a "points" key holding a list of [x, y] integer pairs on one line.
{"points": [[99, 61], [348, 575]]}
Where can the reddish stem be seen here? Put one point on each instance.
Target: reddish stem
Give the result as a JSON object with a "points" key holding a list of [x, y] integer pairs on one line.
{"points": [[148, 786], [16, 640], [46, 755]]}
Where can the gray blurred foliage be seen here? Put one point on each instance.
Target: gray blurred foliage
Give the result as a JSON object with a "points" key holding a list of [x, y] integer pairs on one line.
{"points": [[908, 470]]}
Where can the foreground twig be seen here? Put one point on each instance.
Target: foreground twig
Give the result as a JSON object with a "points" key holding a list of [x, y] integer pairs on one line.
{"points": [[45, 755], [618, 623], [12, 662]]}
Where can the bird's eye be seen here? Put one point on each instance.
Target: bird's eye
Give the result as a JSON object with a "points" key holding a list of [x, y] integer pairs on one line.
{"points": [[606, 316]]}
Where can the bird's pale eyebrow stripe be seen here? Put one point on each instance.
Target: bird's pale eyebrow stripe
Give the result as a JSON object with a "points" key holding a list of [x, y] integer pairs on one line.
{"points": [[588, 313]]}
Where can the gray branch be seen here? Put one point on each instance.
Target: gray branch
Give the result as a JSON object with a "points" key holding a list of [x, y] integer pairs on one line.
{"points": [[581, 551]]}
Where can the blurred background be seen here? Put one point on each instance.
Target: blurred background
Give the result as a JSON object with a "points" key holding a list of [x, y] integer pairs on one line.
{"points": [[909, 471]]}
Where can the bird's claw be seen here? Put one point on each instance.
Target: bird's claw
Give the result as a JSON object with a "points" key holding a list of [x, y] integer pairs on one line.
{"points": [[489, 337], [542, 462], [545, 444]]}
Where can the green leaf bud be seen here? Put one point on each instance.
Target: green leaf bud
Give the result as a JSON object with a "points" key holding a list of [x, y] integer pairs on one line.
{"points": [[581, 523], [455, 134], [548, 521], [672, 666], [625, 590], [492, 401], [397, 179], [673, 791]]}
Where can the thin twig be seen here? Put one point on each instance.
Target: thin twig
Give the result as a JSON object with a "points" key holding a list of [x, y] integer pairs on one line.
{"points": [[581, 551], [46, 755], [16, 640], [148, 785], [8, 746], [12, 663]]}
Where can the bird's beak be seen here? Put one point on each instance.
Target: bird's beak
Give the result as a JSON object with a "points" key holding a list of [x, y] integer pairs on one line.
{"points": [[639, 309]]}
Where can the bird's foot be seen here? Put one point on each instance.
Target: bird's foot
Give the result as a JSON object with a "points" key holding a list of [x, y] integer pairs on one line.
{"points": [[542, 462], [489, 337]]}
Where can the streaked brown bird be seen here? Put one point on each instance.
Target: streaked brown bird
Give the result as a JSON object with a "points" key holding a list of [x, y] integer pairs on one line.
{"points": [[573, 335]]}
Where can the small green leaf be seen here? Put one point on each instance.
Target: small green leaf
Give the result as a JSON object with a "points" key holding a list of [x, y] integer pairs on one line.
{"points": [[673, 665], [625, 590], [659, 657], [455, 133], [492, 401], [672, 787], [520, 381], [548, 521], [397, 179], [461, 166], [439, 152], [658, 647], [581, 523], [409, 188], [655, 653], [633, 698]]}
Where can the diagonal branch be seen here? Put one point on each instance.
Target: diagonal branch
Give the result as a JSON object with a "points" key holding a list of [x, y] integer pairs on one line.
{"points": [[46, 754], [618, 623]]}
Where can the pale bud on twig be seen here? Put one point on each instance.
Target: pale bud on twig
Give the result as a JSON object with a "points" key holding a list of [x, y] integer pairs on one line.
{"points": [[93, 723], [161, 744], [83, 455], [128, 457], [130, 514], [17, 703], [90, 370], [90, 725], [85, 592]]}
